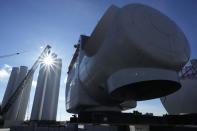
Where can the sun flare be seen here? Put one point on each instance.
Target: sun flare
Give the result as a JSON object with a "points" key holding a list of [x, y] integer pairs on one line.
{"points": [[48, 60]]}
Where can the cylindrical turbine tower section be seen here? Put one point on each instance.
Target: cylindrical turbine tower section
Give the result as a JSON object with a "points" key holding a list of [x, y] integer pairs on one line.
{"points": [[39, 94], [10, 85], [14, 109], [50, 104], [24, 100]]}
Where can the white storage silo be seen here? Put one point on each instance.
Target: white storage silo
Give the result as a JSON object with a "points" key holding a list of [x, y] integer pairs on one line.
{"points": [[24, 100], [50, 103], [39, 94], [10, 85], [13, 111]]}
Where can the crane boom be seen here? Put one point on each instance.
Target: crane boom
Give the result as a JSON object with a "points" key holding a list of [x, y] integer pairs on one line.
{"points": [[22, 84], [9, 55]]}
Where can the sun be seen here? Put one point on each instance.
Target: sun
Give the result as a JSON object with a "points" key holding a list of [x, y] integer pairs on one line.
{"points": [[48, 60]]}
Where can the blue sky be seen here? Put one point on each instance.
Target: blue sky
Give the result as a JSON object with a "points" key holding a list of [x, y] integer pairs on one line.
{"points": [[26, 25]]}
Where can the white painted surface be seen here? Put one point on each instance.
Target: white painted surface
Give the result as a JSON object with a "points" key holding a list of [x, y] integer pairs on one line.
{"points": [[5, 129], [39, 94], [50, 103], [14, 109], [10, 85], [132, 37]]}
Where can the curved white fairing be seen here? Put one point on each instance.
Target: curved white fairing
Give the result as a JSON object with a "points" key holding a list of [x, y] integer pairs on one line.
{"points": [[134, 53], [184, 100]]}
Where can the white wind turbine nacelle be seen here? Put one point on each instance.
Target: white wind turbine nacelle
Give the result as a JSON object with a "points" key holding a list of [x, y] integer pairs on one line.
{"points": [[134, 53]]}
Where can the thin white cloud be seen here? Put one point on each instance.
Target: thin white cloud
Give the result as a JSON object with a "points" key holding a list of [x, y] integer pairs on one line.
{"points": [[8, 67], [5, 71], [3, 74]]}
